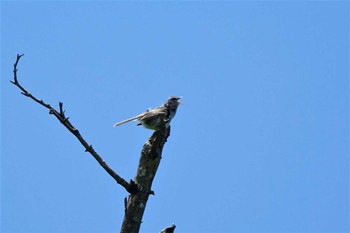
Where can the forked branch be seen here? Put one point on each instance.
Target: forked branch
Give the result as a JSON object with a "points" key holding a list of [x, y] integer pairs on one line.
{"points": [[60, 115]]}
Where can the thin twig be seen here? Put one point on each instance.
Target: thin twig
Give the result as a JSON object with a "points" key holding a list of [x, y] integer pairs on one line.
{"points": [[60, 115]]}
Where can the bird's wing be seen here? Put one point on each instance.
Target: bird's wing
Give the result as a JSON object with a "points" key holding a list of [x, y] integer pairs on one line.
{"points": [[154, 113]]}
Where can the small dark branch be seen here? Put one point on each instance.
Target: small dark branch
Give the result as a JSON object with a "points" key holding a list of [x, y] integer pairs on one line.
{"points": [[125, 205], [60, 115], [15, 69], [60, 104], [169, 229]]}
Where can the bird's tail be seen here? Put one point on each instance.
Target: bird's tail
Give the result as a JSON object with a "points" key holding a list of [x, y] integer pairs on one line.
{"points": [[127, 120]]}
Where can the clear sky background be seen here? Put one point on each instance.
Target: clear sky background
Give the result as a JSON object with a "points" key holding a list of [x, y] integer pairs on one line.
{"points": [[261, 143]]}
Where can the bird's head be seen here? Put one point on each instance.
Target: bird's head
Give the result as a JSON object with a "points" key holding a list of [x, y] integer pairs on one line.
{"points": [[173, 102]]}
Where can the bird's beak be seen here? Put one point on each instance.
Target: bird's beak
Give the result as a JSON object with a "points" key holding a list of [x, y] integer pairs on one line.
{"points": [[178, 102]]}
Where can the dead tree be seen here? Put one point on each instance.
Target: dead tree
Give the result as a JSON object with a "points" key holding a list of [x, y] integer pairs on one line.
{"points": [[138, 188]]}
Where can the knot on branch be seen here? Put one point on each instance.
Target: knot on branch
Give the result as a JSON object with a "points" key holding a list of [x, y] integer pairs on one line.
{"points": [[133, 187], [89, 149]]}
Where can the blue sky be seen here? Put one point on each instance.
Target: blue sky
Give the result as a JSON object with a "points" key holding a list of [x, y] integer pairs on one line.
{"points": [[261, 143]]}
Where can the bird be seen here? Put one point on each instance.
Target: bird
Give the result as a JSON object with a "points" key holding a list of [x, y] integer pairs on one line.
{"points": [[154, 118]]}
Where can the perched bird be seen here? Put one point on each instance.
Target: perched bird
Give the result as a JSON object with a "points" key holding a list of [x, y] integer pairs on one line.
{"points": [[154, 118]]}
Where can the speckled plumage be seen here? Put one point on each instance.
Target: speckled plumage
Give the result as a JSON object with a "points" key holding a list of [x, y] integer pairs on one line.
{"points": [[154, 118]]}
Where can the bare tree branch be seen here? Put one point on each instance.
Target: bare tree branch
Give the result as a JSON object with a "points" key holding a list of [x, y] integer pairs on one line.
{"points": [[140, 187], [60, 115]]}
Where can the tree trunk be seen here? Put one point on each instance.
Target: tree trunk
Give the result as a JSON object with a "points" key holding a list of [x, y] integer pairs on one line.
{"points": [[135, 205]]}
